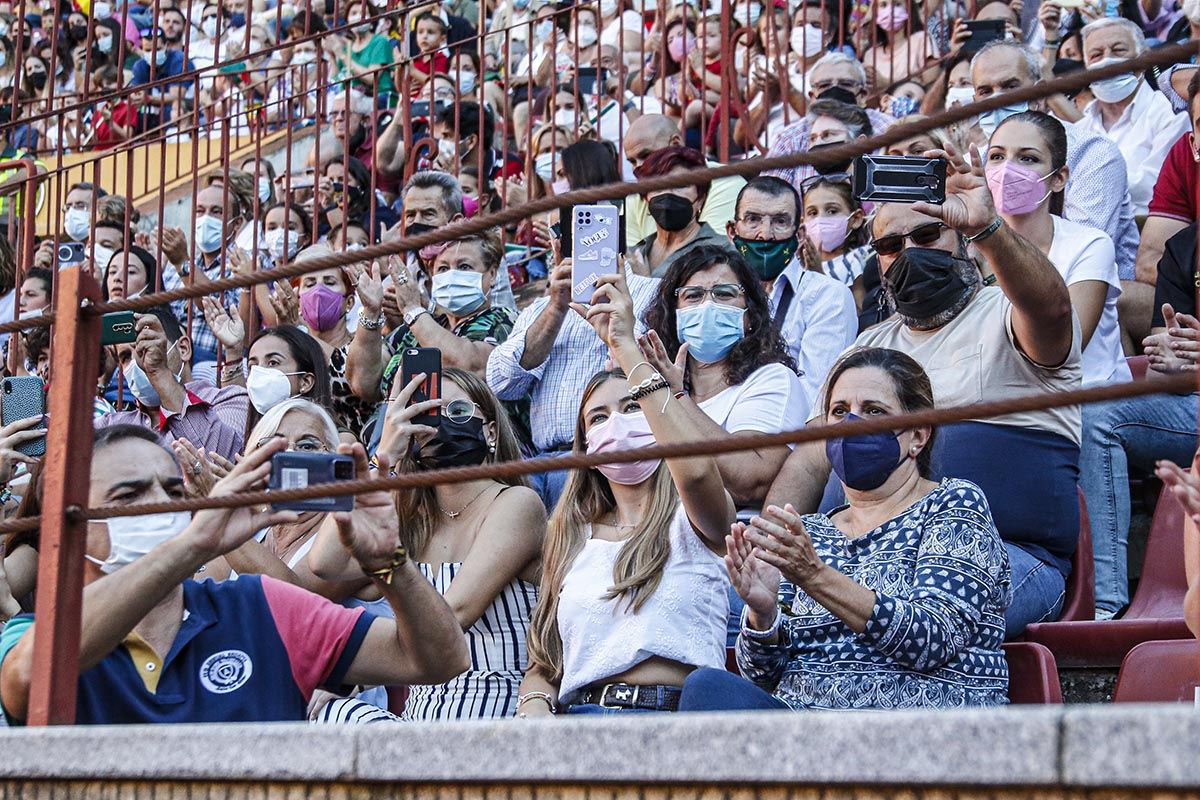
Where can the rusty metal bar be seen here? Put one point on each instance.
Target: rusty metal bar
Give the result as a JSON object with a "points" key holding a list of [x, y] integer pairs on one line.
{"points": [[63, 534]]}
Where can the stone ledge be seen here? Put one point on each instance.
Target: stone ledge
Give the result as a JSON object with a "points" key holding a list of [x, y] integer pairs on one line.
{"points": [[1131, 745], [1101, 746]]}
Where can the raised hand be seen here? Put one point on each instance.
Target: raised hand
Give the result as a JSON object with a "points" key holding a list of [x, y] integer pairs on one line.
{"points": [[611, 312], [217, 531], [371, 532], [228, 328], [755, 581], [656, 354], [151, 344], [286, 303], [12, 436], [968, 208], [369, 287], [173, 244], [198, 475], [399, 432], [1184, 484], [783, 542]]}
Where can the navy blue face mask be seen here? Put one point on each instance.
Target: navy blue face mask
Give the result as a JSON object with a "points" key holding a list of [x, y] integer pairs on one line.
{"points": [[865, 461]]}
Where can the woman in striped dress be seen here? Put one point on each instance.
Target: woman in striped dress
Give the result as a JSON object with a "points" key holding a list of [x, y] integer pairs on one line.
{"points": [[478, 542]]}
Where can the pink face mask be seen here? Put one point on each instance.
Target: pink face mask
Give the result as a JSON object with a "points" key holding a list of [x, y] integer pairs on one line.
{"points": [[680, 46], [1016, 189], [827, 233], [322, 307], [892, 18], [561, 186], [623, 432]]}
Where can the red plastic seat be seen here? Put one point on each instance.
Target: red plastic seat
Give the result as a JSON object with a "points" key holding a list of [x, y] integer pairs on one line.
{"points": [[1160, 672], [1138, 365], [1080, 602], [1032, 675], [1155, 613]]}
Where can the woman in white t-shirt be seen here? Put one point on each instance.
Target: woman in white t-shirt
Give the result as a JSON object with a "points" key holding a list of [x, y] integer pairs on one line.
{"points": [[712, 335], [634, 592], [1027, 171]]}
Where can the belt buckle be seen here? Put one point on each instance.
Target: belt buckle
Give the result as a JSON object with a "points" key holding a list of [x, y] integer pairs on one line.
{"points": [[623, 692]]}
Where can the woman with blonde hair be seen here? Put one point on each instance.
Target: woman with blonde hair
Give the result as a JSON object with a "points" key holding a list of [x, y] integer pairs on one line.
{"points": [[478, 542], [634, 593]]}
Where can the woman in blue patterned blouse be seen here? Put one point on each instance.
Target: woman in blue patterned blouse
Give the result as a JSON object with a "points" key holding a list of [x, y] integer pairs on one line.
{"points": [[895, 600]]}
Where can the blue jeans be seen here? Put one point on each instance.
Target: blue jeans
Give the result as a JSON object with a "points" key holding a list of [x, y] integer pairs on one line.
{"points": [[1116, 436], [717, 690], [1038, 591], [549, 485]]}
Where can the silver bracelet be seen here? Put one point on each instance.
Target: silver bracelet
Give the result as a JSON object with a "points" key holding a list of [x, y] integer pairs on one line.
{"points": [[545, 696]]}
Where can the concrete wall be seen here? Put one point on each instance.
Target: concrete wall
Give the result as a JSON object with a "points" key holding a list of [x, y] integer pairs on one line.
{"points": [[1045, 752]]}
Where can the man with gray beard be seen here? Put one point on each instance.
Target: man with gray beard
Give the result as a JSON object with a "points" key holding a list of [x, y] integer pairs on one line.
{"points": [[979, 343]]}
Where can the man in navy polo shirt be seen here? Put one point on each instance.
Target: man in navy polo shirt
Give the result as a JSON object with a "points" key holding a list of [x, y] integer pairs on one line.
{"points": [[159, 647], [158, 62]]}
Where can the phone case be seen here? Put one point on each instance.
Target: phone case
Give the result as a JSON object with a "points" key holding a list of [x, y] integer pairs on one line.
{"points": [[429, 361], [982, 32], [595, 242], [118, 327], [900, 179], [293, 470], [24, 397]]}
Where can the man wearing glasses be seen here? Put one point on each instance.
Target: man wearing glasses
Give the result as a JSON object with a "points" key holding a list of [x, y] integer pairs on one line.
{"points": [[836, 76], [981, 343], [814, 313]]}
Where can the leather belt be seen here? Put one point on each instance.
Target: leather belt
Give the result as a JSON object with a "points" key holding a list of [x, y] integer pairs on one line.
{"points": [[654, 697]]}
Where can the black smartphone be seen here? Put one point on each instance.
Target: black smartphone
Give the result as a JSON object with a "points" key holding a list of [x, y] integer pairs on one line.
{"points": [[70, 253], [590, 78], [24, 396], [982, 32], [118, 327], [900, 179], [295, 470], [420, 109], [428, 360]]}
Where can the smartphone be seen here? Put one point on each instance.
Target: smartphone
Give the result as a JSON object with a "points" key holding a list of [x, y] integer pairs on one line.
{"points": [[118, 327], [595, 237], [420, 109], [564, 242], [70, 254], [429, 361], [900, 179], [592, 80], [24, 396], [295, 470], [982, 32]]}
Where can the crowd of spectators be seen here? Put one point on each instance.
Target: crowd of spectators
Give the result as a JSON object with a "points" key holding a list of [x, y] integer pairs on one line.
{"points": [[880, 570]]}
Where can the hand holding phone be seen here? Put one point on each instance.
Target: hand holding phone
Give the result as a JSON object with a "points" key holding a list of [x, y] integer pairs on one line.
{"points": [[900, 179], [22, 409], [297, 470], [425, 361], [595, 237]]}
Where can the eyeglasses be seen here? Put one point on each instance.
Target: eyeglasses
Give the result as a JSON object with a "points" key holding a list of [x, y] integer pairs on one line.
{"points": [[724, 293], [459, 411], [844, 83], [818, 180], [778, 223], [308, 444], [921, 236]]}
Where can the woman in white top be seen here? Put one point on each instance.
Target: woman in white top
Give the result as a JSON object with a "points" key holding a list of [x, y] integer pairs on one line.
{"points": [[712, 336], [1026, 167], [634, 591]]}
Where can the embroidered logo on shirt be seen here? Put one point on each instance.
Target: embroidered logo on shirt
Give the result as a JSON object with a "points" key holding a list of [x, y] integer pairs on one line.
{"points": [[226, 671]]}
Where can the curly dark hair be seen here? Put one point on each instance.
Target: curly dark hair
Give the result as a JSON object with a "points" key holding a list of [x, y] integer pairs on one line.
{"points": [[762, 343]]}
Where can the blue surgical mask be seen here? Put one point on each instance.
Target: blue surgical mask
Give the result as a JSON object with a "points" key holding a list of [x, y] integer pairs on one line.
{"points": [[990, 120], [237, 19], [139, 382], [864, 462], [459, 291], [210, 234], [710, 330], [160, 57]]}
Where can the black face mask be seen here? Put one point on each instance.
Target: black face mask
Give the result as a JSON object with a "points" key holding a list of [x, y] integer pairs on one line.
{"points": [[831, 169], [456, 445], [36, 80], [841, 95], [925, 282], [78, 32], [417, 228], [671, 212]]}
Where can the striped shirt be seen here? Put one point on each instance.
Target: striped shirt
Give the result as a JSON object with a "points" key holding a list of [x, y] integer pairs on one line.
{"points": [[555, 386], [489, 687], [211, 418]]}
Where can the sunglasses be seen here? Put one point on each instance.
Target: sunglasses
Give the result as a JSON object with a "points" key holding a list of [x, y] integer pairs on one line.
{"points": [[920, 236], [459, 411], [817, 180]]}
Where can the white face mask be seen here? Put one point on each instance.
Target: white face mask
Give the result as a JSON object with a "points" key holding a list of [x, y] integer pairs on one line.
{"points": [[1116, 88], [102, 10], [566, 117], [466, 82], [586, 36], [210, 234], [209, 26], [264, 189], [78, 221], [962, 95], [447, 150], [543, 166], [304, 57], [608, 8], [130, 538], [807, 40], [101, 255], [1191, 10], [282, 241], [268, 387]]}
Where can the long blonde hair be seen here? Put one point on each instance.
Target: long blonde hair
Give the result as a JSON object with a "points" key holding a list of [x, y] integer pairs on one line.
{"points": [[418, 507], [639, 566]]}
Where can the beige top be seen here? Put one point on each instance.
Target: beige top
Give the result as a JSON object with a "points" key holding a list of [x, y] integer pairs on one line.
{"points": [[974, 358]]}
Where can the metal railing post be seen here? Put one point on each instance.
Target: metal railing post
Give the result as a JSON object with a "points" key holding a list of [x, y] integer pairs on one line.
{"points": [[66, 476]]}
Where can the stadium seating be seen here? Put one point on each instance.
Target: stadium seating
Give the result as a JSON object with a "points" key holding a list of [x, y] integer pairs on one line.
{"points": [[1160, 672], [1032, 675]]}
